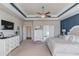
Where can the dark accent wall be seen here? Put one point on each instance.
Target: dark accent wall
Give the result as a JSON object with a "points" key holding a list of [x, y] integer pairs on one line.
{"points": [[69, 23]]}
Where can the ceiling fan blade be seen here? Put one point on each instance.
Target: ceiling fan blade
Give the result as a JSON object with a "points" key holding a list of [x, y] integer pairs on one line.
{"points": [[47, 13], [39, 13]]}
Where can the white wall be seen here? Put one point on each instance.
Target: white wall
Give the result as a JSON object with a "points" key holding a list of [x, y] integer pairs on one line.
{"points": [[17, 22]]}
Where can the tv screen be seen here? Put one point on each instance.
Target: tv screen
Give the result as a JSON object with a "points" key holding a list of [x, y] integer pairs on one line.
{"points": [[7, 25]]}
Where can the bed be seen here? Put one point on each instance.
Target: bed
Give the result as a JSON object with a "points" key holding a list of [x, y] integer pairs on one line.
{"points": [[65, 46]]}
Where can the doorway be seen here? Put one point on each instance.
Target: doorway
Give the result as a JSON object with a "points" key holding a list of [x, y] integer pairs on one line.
{"points": [[29, 32]]}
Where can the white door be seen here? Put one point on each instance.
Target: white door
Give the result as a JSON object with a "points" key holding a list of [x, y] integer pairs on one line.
{"points": [[51, 31], [37, 35], [45, 32], [29, 31], [24, 32], [48, 31]]}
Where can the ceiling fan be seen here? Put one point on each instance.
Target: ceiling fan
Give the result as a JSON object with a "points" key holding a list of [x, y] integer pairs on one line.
{"points": [[44, 13]]}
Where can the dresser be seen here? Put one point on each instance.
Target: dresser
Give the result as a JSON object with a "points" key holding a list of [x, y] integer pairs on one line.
{"points": [[8, 44]]}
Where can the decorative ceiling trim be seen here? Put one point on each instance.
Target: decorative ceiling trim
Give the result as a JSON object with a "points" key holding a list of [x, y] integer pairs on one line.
{"points": [[41, 17], [68, 9], [12, 4]]}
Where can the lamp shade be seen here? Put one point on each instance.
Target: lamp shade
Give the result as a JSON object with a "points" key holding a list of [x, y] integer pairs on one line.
{"points": [[63, 30]]}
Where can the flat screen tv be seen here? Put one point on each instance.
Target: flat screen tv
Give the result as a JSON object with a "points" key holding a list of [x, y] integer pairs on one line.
{"points": [[7, 25]]}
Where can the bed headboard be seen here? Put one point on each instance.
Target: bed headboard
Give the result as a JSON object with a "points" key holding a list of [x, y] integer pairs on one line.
{"points": [[74, 30]]}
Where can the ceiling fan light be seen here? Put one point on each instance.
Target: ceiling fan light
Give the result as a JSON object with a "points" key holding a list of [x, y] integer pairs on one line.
{"points": [[43, 16]]}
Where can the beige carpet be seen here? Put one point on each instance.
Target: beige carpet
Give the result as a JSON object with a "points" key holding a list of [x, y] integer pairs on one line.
{"points": [[30, 48]]}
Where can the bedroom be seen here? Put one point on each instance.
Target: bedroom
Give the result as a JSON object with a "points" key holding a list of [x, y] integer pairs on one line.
{"points": [[39, 27]]}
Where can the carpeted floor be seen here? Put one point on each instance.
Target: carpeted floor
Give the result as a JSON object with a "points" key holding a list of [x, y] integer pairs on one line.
{"points": [[30, 48]]}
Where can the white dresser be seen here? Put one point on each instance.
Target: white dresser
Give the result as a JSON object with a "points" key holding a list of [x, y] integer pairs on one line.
{"points": [[8, 44]]}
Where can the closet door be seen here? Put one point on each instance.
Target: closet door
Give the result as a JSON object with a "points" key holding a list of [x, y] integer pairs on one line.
{"points": [[45, 32], [37, 35], [48, 31], [51, 31]]}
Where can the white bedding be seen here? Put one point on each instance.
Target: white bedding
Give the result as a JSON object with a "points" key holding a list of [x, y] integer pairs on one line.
{"points": [[60, 46], [69, 45]]}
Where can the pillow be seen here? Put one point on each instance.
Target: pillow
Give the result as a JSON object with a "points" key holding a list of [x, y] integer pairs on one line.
{"points": [[66, 37], [76, 38], [70, 37], [73, 38]]}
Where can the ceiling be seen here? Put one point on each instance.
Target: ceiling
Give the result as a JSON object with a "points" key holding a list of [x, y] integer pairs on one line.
{"points": [[7, 10], [34, 8], [31, 9]]}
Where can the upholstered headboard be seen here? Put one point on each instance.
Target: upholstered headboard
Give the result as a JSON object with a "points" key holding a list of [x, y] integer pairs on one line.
{"points": [[74, 30]]}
